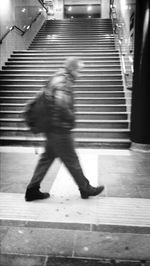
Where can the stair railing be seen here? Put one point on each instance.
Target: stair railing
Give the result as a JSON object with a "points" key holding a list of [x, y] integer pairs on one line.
{"points": [[41, 2], [20, 30], [119, 38], [118, 32]]}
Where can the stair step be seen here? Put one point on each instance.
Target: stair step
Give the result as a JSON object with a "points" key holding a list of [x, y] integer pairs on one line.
{"points": [[80, 123], [75, 34], [38, 67], [52, 41], [79, 115], [84, 54], [79, 107], [102, 115], [67, 43], [97, 100], [31, 60], [80, 142], [79, 100], [76, 93], [71, 50], [88, 77], [51, 71], [101, 54], [78, 87], [49, 51], [78, 133], [58, 63], [42, 82], [75, 48], [101, 107]]}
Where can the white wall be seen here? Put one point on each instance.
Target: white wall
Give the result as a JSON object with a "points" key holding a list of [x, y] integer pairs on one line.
{"points": [[82, 2], [105, 8], [58, 9], [11, 14]]}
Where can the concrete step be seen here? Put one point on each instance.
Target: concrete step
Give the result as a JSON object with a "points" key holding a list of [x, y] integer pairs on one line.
{"points": [[58, 63], [74, 39], [84, 54], [96, 100], [37, 67], [78, 100], [82, 24], [75, 35], [37, 59], [77, 133], [42, 82], [51, 40], [75, 27], [79, 142], [97, 21], [48, 51], [102, 115], [79, 107], [85, 77], [72, 48], [100, 107], [79, 115], [91, 94], [76, 49], [50, 71], [78, 87], [72, 45], [80, 123]]}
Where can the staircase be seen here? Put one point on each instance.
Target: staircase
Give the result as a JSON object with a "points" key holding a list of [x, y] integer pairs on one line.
{"points": [[101, 115]]}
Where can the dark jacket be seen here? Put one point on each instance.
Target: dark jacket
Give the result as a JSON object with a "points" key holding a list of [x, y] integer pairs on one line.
{"points": [[60, 88]]}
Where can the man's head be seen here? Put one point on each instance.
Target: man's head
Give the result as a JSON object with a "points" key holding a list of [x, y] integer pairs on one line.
{"points": [[73, 65]]}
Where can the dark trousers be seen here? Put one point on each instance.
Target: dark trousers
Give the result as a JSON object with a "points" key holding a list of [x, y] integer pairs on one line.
{"points": [[62, 146]]}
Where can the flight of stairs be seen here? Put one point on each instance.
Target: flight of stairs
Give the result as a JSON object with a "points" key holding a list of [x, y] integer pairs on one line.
{"points": [[101, 114]]}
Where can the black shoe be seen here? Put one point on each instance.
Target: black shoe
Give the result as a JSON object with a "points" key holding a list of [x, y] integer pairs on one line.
{"points": [[91, 191], [35, 194]]}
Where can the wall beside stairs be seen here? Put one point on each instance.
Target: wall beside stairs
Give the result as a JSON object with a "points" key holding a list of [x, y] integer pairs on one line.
{"points": [[19, 13]]}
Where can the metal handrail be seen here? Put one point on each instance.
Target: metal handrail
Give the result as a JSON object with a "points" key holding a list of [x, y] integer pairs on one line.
{"points": [[116, 30], [41, 2], [10, 29], [16, 27]]}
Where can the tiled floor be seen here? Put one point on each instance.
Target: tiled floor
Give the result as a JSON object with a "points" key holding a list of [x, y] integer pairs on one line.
{"points": [[114, 225], [125, 200], [123, 172]]}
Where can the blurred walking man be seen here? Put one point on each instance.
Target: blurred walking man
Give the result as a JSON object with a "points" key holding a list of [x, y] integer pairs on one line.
{"points": [[59, 141]]}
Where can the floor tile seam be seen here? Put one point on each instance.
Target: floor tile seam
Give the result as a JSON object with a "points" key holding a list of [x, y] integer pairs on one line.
{"points": [[46, 257], [100, 259], [103, 222], [76, 227], [46, 260]]}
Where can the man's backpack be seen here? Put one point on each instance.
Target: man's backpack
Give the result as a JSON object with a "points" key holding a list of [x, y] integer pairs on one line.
{"points": [[38, 113]]}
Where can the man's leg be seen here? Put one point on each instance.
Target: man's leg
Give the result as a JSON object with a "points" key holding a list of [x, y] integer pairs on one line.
{"points": [[41, 169], [64, 148]]}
